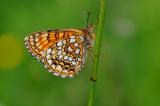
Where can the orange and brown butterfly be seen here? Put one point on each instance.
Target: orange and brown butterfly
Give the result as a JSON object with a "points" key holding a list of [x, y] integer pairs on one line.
{"points": [[63, 52]]}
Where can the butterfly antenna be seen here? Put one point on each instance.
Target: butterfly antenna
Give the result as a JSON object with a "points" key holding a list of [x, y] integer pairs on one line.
{"points": [[86, 17], [89, 13]]}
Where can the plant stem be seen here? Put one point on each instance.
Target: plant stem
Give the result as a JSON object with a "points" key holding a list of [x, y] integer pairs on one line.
{"points": [[97, 52]]}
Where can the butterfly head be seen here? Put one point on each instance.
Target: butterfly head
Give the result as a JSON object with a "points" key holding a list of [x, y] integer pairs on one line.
{"points": [[90, 28]]}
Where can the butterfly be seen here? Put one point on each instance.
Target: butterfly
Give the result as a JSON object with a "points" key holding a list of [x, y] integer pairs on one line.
{"points": [[63, 51]]}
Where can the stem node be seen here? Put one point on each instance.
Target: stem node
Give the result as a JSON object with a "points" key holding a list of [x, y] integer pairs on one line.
{"points": [[93, 79]]}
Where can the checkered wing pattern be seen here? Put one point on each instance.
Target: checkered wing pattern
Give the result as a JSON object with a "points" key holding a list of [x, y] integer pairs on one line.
{"points": [[63, 52]]}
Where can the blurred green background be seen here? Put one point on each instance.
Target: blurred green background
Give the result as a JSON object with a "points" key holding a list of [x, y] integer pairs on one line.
{"points": [[129, 72]]}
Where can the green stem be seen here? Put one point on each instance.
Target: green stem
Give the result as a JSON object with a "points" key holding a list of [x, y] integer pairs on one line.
{"points": [[97, 52]]}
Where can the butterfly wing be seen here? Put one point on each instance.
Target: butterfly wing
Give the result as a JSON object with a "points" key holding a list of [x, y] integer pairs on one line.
{"points": [[63, 52]]}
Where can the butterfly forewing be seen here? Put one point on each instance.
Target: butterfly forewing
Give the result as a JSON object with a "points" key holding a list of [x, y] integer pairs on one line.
{"points": [[63, 52]]}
